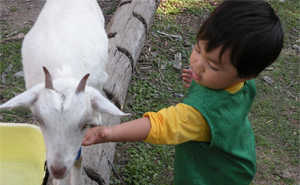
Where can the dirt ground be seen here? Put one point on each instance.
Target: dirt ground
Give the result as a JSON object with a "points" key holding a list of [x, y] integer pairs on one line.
{"points": [[16, 15]]}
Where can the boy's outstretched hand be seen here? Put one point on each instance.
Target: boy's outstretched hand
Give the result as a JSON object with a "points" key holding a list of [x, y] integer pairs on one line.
{"points": [[97, 135], [187, 77], [135, 130]]}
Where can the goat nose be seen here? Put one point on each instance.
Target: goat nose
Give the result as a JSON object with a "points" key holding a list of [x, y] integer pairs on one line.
{"points": [[58, 172]]}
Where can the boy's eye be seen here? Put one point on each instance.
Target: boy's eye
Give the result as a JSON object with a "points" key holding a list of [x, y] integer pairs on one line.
{"points": [[213, 68], [198, 51]]}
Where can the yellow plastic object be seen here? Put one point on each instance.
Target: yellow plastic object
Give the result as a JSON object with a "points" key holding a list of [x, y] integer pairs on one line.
{"points": [[22, 154]]}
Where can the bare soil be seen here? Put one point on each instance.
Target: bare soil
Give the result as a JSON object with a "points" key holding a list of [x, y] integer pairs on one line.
{"points": [[16, 15]]}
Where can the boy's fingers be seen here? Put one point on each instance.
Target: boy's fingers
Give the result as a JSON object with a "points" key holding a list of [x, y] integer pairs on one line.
{"points": [[94, 136], [187, 80], [89, 137], [186, 85], [186, 70], [185, 75], [86, 142]]}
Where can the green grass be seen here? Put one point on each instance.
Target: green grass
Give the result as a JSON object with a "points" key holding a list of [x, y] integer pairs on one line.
{"points": [[14, 8], [275, 112], [10, 55], [289, 15], [275, 118], [154, 164]]}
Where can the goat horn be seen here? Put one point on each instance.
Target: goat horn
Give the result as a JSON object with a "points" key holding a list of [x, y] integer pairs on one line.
{"points": [[82, 84], [48, 79]]}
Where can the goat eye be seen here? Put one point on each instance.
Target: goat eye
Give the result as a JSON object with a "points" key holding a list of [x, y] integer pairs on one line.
{"points": [[86, 125]]}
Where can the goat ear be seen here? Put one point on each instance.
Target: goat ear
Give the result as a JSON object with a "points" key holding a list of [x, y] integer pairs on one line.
{"points": [[103, 105], [25, 99], [48, 79], [82, 84]]}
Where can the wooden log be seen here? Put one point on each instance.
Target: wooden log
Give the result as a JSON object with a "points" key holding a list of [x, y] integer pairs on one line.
{"points": [[127, 32], [119, 77], [145, 13]]}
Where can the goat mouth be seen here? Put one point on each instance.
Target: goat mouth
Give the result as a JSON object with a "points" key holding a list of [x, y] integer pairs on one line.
{"points": [[59, 177]]}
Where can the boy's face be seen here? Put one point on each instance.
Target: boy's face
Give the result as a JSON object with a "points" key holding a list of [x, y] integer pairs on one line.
{"points": [[208, 71]]}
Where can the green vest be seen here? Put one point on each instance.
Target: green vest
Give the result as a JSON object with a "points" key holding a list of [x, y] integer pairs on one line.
{"points": [[230, 156]]}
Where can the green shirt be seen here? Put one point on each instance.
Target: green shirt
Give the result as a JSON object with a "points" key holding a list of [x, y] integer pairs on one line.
{"points": [[230, 156]]}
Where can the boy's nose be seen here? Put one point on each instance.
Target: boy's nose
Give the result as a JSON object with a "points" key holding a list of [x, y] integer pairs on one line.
{"points": [[201, 67]]}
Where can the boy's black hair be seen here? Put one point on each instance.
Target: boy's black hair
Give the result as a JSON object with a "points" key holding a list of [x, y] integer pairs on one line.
{"points": [[250, 29]]}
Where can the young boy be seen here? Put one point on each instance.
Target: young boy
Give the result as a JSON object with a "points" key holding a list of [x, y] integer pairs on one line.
{"points": [[214, 139]]}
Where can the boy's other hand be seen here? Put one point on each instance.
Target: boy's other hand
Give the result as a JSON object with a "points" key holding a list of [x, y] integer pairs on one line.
{"points": [[97, 135], [187, 77]]}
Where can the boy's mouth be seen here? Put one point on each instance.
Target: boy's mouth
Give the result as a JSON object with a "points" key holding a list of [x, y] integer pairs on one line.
{"points": [[195, 76]]}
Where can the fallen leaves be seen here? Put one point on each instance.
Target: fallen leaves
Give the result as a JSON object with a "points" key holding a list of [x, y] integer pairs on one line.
{"points": [[18, 37], [268, 80]]}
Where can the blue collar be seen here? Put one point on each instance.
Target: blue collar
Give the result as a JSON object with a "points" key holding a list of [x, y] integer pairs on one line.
{"points": [[79, 154]]}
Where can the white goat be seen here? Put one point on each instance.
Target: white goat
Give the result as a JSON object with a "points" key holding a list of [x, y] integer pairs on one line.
{"points": [[69, 39]]}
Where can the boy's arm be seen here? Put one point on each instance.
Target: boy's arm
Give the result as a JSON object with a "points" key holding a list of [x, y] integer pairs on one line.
{"points": [[135, 130], [177, 124]]}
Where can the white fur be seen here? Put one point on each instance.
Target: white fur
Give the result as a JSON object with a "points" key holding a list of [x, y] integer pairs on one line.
{"points": [[69, 39]]}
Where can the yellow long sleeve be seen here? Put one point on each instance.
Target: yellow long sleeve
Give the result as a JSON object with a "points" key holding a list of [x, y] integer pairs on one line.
{"points": [[177, 124], [180, 123]]}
